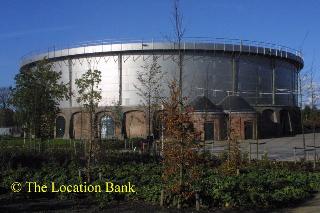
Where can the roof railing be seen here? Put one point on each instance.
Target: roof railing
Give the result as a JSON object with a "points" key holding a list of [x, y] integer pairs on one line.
{"points": [[224, 41]]}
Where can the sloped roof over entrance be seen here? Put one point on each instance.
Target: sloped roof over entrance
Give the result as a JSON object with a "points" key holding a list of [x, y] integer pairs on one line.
{"points": [[236, 104], [203, 104]]}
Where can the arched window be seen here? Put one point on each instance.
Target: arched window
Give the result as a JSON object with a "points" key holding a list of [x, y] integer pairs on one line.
{"points": [[60, 126], [107, 127]]}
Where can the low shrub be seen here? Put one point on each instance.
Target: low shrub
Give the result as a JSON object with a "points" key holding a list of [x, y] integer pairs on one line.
{"points": [[259, 188], [265, 185]]}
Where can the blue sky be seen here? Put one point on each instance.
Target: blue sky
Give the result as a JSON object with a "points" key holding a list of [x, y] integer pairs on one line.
{"points": [[38, 24]]}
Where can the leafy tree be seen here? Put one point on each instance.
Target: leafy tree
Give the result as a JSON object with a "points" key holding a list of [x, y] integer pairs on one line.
{"points": [[150, 88], [89, 97], [6, 117], [36, 97], [234, 158], [118, 116], [179, 31], [181, 170], [5, 97], [307, 112], [6, 113]]}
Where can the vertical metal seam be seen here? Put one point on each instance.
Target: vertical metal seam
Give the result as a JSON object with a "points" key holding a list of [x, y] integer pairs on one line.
{"points": [[120, 77], [273, 65], [70, 82]]}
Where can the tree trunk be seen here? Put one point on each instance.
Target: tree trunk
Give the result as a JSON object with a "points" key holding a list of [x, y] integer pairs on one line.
{"points": [[90, 149], [180, 179]]}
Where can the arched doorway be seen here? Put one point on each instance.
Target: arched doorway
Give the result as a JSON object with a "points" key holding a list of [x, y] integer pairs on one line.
{"points": [[208, 131], [107, 127], [60, 126], [248, 130], [286, 123], [268, 125], [136, 124], [79, 125]]}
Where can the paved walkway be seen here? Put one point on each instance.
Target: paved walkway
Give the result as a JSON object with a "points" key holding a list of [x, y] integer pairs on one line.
{"points": [[276, 148], [311, 206], [282, 149]]}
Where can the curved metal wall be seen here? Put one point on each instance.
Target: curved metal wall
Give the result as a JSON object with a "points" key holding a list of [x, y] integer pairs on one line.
{"points": [[261, 80]]}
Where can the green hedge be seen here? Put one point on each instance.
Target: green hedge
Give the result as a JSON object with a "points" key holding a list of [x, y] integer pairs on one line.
{"points": [[265, 188], [255, 187]]}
